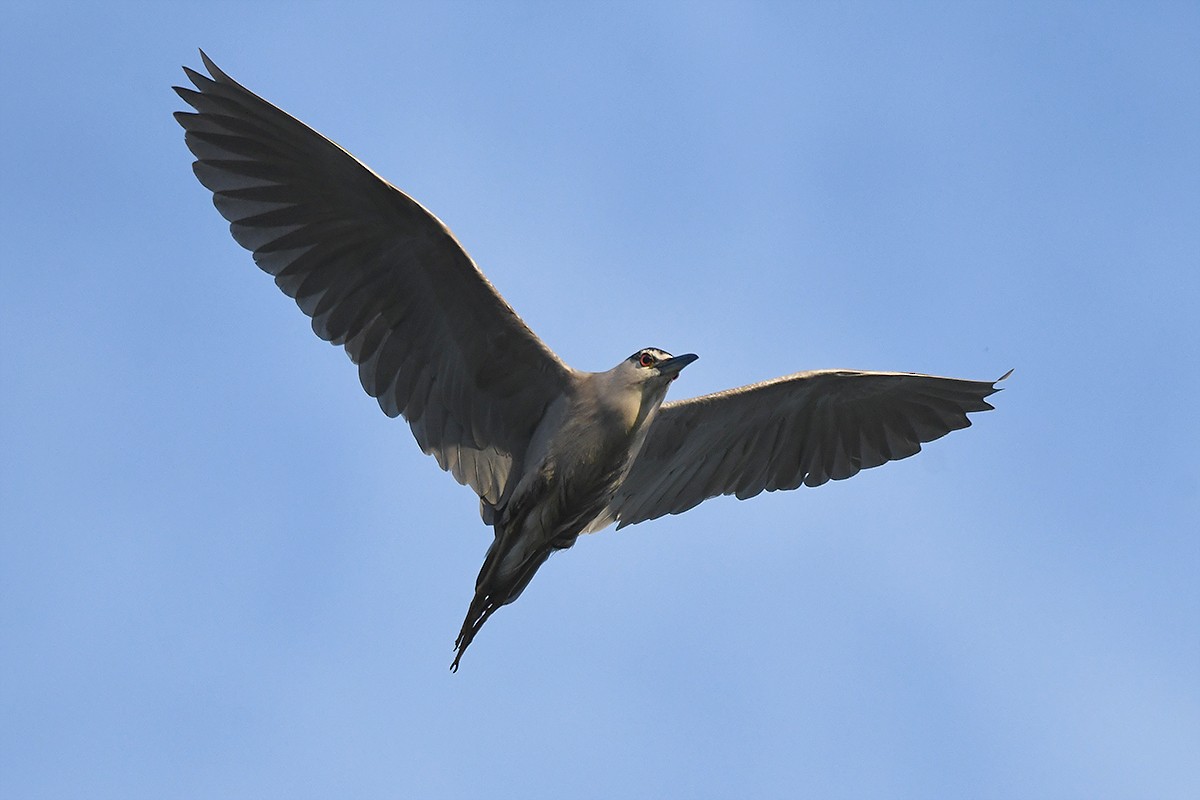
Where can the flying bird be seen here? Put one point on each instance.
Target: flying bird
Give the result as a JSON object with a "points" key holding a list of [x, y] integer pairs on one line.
{"points": [[551, 451]]}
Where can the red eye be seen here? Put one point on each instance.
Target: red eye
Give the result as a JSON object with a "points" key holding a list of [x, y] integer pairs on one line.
{"points": [[646, 360]]}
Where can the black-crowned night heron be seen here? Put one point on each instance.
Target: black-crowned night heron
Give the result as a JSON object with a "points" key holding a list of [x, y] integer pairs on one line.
{"points": [[551, 451]]}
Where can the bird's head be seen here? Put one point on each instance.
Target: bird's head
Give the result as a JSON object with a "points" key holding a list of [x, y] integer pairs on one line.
{"points": [[653, 367], [635, 388]]}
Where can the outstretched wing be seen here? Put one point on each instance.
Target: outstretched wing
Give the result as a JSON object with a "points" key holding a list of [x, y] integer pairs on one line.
{"points": [[378, 274], [806, 428]]}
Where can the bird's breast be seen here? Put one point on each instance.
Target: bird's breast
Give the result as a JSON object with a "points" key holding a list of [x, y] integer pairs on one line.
{"points": [[592, 450]]}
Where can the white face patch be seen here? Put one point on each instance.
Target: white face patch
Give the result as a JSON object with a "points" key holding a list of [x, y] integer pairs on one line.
{"points": [[649, 357]]}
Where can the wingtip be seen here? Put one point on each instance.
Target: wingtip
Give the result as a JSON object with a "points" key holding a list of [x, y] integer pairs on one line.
{"points": [[184, 118], [198, 79], [217, 74], [185, 94], [996, 388], [208, 63]]}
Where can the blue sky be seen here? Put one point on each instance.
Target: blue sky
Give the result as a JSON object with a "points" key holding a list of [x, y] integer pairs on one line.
{"points": [[223, 573]]}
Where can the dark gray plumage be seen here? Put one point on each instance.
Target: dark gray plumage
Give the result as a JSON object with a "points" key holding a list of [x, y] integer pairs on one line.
{"points": [[551, 451]]}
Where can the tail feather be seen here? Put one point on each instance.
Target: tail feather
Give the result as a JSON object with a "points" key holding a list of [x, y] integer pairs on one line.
{"points": [[501, 581], [489, 592], [482, 607], [494, 588]]}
